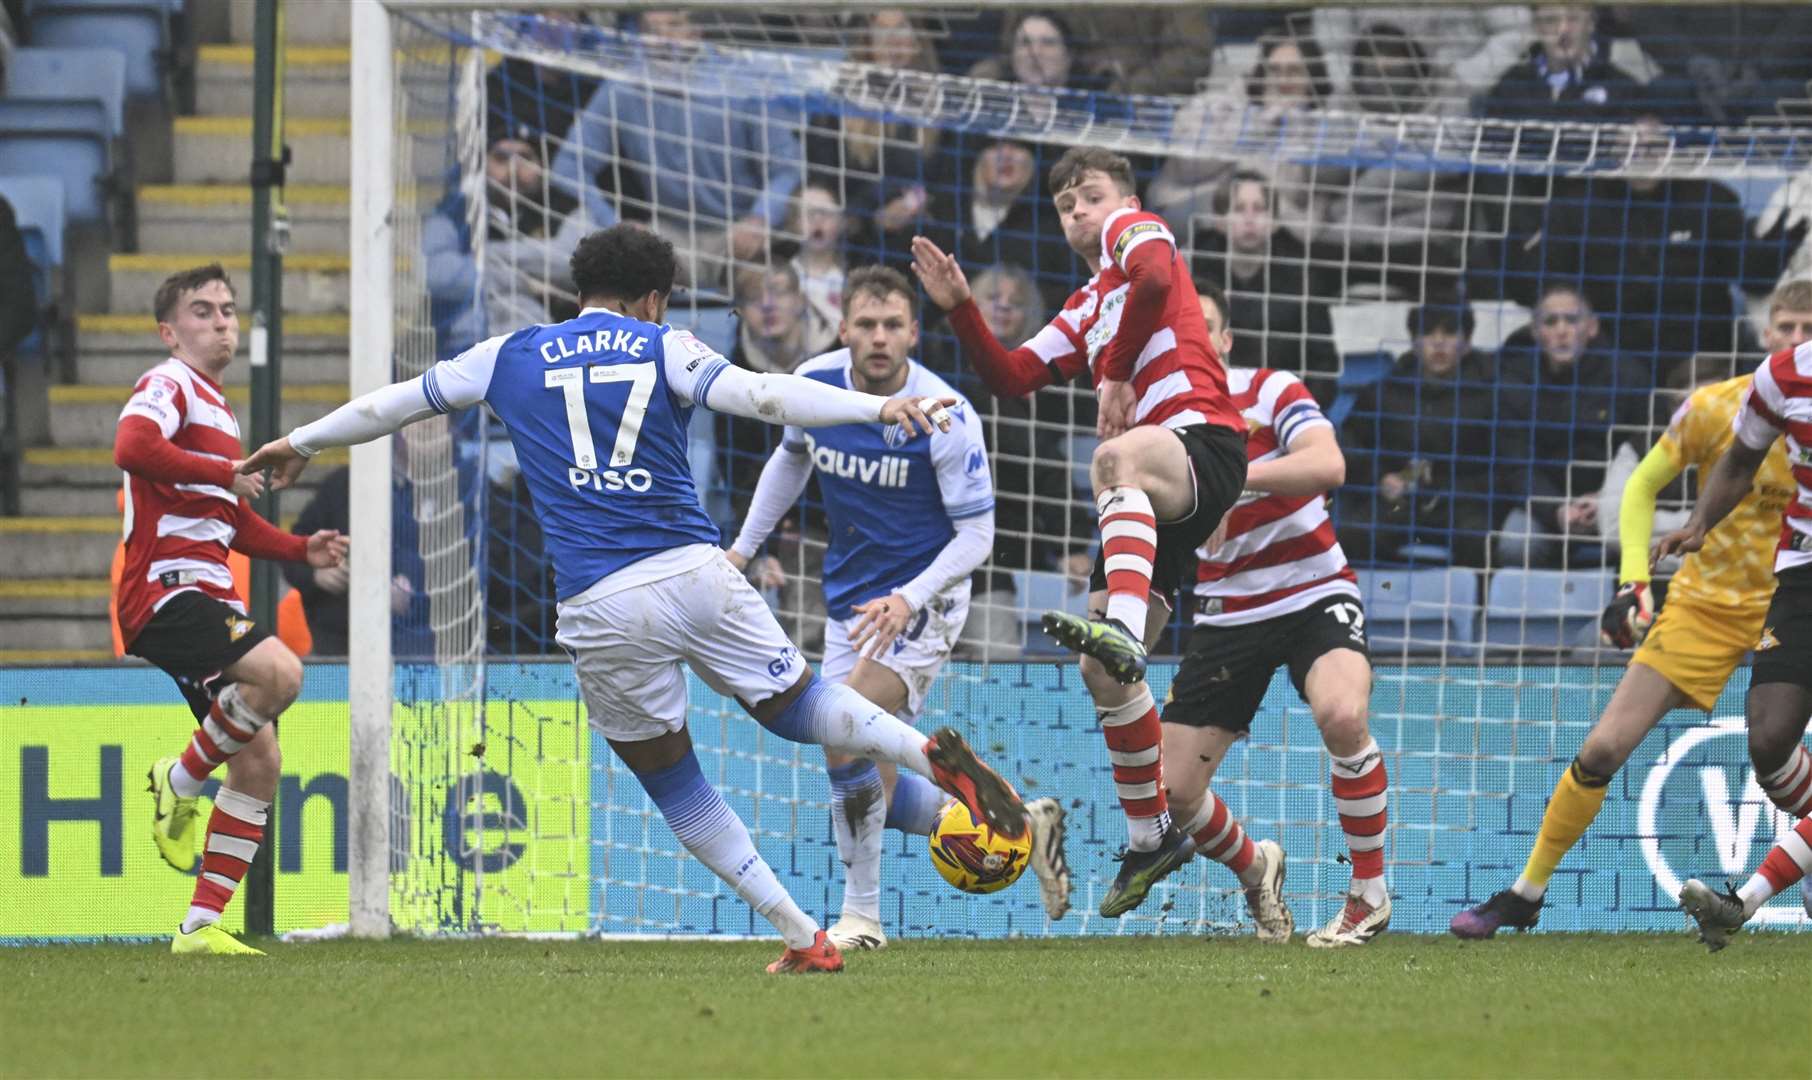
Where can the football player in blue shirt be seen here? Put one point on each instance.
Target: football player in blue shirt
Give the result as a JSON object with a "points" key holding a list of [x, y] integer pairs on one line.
{"points": [[910, 521], [597, 408]]}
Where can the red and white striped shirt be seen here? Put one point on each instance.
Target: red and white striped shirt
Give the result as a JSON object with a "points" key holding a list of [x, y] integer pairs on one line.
{"points": [[181, 513], [1177, 377], [1779, 402], [1280, 554]]}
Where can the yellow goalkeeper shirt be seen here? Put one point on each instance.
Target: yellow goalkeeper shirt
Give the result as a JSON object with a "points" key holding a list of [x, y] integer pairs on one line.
{"points": [[1735, 568]]}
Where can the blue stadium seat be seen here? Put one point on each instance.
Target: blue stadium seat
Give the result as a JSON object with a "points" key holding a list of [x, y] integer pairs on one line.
{"points": [[1545, 608], [1362, 369], [65, 139], [66, 74], [1420, 611], [37, 203], [138, 29]]}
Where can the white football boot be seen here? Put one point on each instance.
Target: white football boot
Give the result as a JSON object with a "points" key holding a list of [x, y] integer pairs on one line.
{"points": [[857, 933], [1265, 900], [1356, 923], [1045, 816]]}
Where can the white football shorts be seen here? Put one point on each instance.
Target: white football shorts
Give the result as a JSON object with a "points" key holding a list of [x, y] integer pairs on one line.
{"points": [[627, 648], [916, 656]]}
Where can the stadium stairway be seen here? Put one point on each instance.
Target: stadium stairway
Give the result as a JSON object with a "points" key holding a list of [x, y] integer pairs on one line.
{"points": [[54, 593]]}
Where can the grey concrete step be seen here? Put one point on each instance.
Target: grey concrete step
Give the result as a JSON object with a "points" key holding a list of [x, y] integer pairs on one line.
{"points": [[312, 283], [317, 80], [118, 348], [171, 216], [305, 22], [41, 547], [299, 365], [218, 149], [56, 632], [78, 598], [70, 500], [87, 415]]}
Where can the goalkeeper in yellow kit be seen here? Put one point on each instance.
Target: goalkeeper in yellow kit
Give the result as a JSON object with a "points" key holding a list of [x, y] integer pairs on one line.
{"points": [[1713, 617]]}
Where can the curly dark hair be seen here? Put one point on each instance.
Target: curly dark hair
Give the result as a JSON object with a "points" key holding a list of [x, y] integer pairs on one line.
{"points": [[626, 261]]}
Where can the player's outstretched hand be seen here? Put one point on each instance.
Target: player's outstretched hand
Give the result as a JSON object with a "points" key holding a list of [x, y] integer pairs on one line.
{"points": [[883, 620], [1118, 404], [285, 462], [1679, 542], [248, 486], [941, 275], [916, 414], [327, 548]]}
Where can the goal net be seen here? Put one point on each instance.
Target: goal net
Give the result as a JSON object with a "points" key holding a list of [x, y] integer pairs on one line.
{"points": [[1498, 313]]}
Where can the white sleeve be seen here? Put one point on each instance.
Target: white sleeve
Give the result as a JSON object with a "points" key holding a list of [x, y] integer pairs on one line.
{"points": [[961, 459], [1757, 422], [155, 399], [786, 399], [968, 549], [692, 366], [448, 385], [783, 480]]}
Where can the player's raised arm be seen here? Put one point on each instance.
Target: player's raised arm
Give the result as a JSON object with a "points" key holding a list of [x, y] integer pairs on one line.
{"points": [[798, 401], [1010, 373], [448, 386]]}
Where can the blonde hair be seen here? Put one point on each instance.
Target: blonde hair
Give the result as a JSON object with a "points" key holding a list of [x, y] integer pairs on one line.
{"points": [[1793, 295]]}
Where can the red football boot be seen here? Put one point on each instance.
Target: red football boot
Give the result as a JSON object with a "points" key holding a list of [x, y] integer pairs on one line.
{"points": [[821, 956], [991, 800]]}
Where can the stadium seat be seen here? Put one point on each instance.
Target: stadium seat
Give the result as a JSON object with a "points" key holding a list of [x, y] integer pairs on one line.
{"points": [[1493, 321], [138, 29], [1362, 369], [65, 74], [66, 139], [1545, 608], [1420, 611], [715, 326], [37, 203], [1038, 591], [1372, 327]]}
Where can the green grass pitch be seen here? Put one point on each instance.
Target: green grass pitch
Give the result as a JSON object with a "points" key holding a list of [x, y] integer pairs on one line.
{"points": [[1557, 1005]]}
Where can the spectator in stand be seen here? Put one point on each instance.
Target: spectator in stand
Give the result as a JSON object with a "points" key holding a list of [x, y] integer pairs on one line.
{"points": [[530, 235], [1270, 286], [1147, 50], [1390, 229], [1238, 127], [999, 215], [1734, 60], [1038, 51], [1567, 75], [1039, 519], [1418, 448], [1657, 256], [18, 297], [710, 169], [534, 102], [323, 590], [1468, 47], [880, 170], [779, 330], [1560, 407], [818, 221]]}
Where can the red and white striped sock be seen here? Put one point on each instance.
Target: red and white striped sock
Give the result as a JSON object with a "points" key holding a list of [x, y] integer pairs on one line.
{"points": [[1790, 786], [1134, 737], [229, 725], [1360, 785], [235, 830], [1218, 835], [1129, 546], [1787, 862]]}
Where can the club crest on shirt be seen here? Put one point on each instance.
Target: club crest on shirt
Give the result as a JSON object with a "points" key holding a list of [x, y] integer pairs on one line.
{"points": [[237, 627]]}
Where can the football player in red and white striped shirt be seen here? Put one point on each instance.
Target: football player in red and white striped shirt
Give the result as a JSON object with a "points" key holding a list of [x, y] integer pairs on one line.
{"points": [[178, 443], [1779, 705], [1170, 462], [1273, 590]]}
